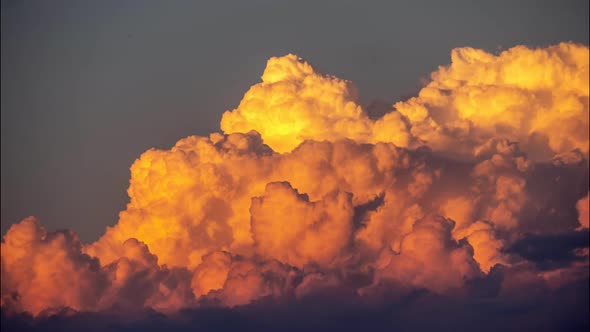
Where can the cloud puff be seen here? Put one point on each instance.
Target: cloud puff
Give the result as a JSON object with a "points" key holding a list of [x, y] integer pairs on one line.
{"points": [[42, 270], [430, 258], [294, 103], [288, 227], [538, 97], [47, 271]]}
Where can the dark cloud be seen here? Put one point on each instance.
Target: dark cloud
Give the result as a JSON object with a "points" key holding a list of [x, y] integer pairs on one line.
{"points": [[552, 251], [563, 309]]}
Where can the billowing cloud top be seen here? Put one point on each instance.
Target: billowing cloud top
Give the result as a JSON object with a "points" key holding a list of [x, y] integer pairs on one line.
{"points": [[304, 192], [537, 97]]}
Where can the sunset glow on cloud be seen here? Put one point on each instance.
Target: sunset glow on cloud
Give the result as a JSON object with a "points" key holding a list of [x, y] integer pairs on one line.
{"points": [[303, 192]]}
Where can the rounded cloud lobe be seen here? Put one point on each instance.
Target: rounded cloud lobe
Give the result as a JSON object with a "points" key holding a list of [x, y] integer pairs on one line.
{"points": [[304, 193]]}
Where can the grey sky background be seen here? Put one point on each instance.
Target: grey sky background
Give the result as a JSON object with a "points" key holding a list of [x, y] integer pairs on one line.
{"points": [[87, 86]]}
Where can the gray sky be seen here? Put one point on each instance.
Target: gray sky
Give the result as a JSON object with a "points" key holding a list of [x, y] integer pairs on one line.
{"points": [[87, 86]]}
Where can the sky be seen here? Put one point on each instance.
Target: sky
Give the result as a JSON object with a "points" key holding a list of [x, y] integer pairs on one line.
{"points": [[295, 166], [88, 86]]}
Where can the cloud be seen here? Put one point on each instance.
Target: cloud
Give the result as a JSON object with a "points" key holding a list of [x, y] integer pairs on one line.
{"points": [[430, 258], [538, 97], [294, 103], [42, 270], [582, 207], [552, 251], [288, 227], [471, 190]]}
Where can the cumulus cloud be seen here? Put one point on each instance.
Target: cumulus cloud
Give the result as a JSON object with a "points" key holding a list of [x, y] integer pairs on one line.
{"points": [[430, 258], [42, 270], [288, 227], [304, 194], [294, 103], [538, 97], [45, 271]]}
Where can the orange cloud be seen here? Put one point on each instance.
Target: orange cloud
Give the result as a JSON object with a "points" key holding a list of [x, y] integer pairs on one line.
{"points": [[430, 258], [42, 270], [582, 207], [294, 103], [288, 227], [304, 192], [538, 97]]}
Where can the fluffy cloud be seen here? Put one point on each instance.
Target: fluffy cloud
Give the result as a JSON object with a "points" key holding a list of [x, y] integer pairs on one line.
{"points": [[294, 103], [42, 270], [538, 97], [304, 194], [288, 227], [430, 258]]}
